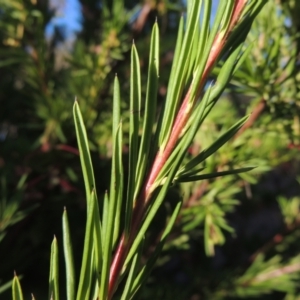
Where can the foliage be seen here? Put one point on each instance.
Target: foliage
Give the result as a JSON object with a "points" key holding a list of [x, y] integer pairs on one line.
{"points": [[267, 75], [174, 174]]}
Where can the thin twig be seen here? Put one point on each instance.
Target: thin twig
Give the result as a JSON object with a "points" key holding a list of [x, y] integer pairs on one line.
{"points": [[258, 110], [197, 194], [275, 240]]}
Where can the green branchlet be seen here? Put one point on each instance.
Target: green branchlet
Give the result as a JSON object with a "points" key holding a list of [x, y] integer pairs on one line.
{"points": [[114, 240]]}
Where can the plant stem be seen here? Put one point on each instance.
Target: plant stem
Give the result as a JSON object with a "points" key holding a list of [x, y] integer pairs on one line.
{"points": [[276, 239], [163, 154], [253, 117], [125, 244]]}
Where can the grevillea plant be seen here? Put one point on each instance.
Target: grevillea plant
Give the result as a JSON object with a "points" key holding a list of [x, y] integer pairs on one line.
{"points": [[117, 225]]}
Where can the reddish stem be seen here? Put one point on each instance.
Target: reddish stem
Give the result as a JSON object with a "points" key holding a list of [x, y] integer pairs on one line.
{"points": [[160, 159], [237, 12], [67, 148], [117, 264], [125, 244], [253, 117], [163, 154]]}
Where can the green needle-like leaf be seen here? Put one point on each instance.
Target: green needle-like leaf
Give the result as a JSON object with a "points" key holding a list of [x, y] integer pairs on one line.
{"points": [[109, 227], [97, 238], [54, 272], [167, 106], [135, 107], [116, 114], [105, 218], [206, 41], [191, 129], [16, 289], [176, 86], [85, 281], [116, 183], [5, 286], [187, 177], [144, 273], [113, 206], [85, 157], [150, 107], [131, 277], [68, 254], [227, 13], [154, 206], [215, 146]]}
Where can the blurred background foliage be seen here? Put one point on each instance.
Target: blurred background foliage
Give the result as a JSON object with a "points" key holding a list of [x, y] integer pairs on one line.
{"points": [[236, 236]]}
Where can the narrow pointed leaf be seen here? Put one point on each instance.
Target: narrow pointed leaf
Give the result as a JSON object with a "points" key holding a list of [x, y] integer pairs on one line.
{"points": [[135, 111], [144, 273], [191, 130], [160, 130], [119, 185], [7, 285], [113, 206], [243, 57], [54, 272], [105, 218], [85, 281], [131, 278], [204, 31], [17, 293], [69, 262], [215, 146], [97, 238], [177, 85], [116, 182], [238, 36], [116, 107], [209, 40], [187, 177], [85, 157], [150, 106], [154, 206]]}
